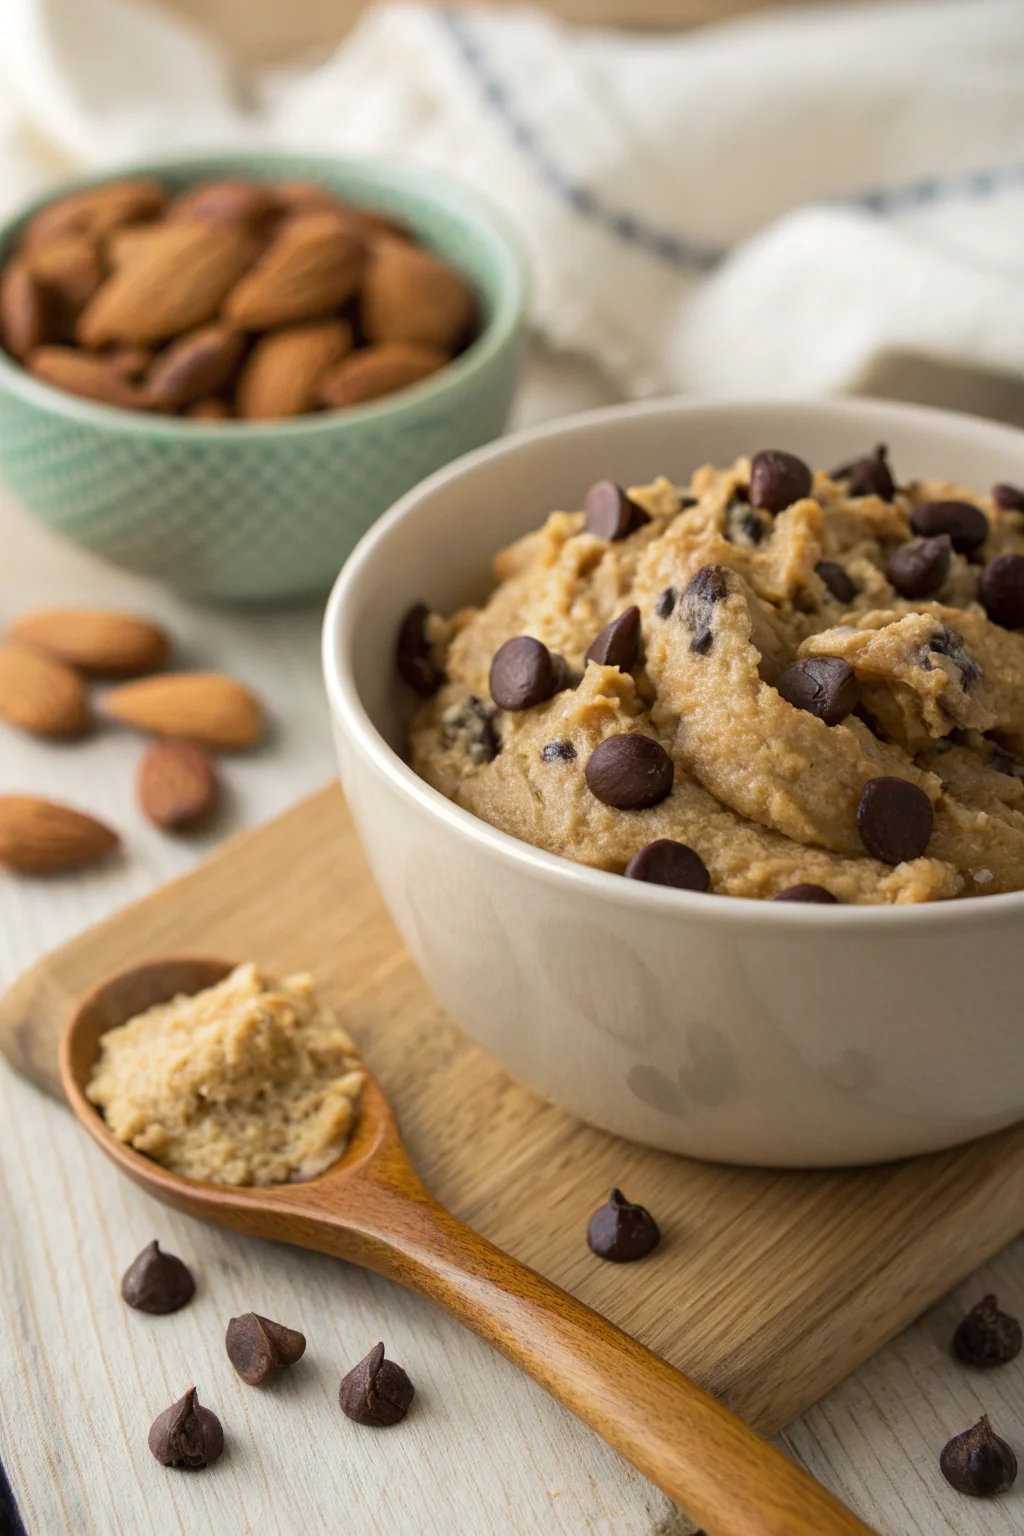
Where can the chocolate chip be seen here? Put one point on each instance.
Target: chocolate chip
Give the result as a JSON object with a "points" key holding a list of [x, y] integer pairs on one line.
{"points": [[1010, 498], [257, 1347], [1005, 762], [469, 727], [686, 502], [918, 569], [610, 514], [809, 893], [708, 587], [414, 659], [666, 603], [558, 752], [986, 1336], [868, 476], [966, 524], [824, 686], [376, 1391], [665, 862], [745, 526], [621, 1231], [777, 479], [186, 1434], [524, 673], [157, 1282], [1001, 590], [895, 819], [618, 644], [837, 579], [950, 643], [978, 1462], [630, 772]]}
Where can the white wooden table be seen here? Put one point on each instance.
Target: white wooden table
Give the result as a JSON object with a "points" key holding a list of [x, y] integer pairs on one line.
{"points": [[484, 1450]]}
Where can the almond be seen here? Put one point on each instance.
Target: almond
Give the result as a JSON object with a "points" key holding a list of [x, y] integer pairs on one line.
{"points": [[99, 643], [130, 362], [285, 367], [409, 295], [95, 378], [177, 784], [210, 408], [198, 706], [96, 211], [40, 694], [174, 281], [197, 364], [313, 265], [376, 371], [253, 204], [309, 197], [37, 836], [71, 269], [25, 311]]}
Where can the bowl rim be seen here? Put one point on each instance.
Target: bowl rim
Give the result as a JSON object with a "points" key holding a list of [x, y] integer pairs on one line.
{"points": [[512, 289], [346, 706]]}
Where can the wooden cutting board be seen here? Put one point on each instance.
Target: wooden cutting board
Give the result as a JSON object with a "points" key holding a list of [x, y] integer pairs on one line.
{"points": [[769, 1287]]}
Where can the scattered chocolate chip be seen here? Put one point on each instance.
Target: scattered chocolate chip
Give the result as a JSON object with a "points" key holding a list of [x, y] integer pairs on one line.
{"points": [[157, 1282], [1010, 498], [666, 603], [621, 1231], [524, 673], [986, 1336], [965, 523], [258, 1347], [558, 752], [868, 476], [824, 686], [895, 819], [376, 1391], [837, 579], [777, 479], [186, 1434], [918, 569], [809, 893], [744, 525], [665, 862], [630, 772], [415, 661], [1001, 590], [618, 644], [950, 643], [978, 1462], [708, 587], [469, 726], [610, 513]]}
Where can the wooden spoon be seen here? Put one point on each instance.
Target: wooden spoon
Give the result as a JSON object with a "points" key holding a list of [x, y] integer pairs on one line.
{"points": [[372, 1209]]}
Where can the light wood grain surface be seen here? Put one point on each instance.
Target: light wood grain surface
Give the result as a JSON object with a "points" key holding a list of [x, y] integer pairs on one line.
{"points": [[485, 1450]]}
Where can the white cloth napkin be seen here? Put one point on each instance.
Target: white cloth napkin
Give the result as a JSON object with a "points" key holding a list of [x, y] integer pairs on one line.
{"points": [[804, 201]]}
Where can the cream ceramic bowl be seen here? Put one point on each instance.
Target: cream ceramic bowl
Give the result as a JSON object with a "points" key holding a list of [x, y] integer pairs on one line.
{"points": [[717, 1027]]}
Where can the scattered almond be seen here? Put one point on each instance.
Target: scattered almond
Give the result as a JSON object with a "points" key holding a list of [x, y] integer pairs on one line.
{"points": [[80, 373], [177, 784], [376, 371], [40, 694], [96, 211], [409, 295], [199, 706], [197, 364], [24, 311], [37, 836], [99, 643], [284, 369], [312, 267], [253, 204], [71, 269]]}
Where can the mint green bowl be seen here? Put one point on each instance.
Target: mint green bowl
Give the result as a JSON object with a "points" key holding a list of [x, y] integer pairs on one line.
{"points": [[256, 512]]}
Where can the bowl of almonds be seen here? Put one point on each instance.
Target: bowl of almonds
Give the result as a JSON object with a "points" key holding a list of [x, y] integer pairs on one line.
{"points": [[219, 372]]}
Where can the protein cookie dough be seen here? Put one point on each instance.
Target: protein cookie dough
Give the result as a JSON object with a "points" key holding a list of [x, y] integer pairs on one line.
{"points": [[771, 683], [251, 1081]]}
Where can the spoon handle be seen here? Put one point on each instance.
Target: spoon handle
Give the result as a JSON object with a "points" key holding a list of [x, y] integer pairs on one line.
{"points": [[726, 1477]]}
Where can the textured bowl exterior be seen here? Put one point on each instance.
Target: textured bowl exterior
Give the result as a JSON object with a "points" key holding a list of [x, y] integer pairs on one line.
{"points": [[253, 512], [741, 1031]]}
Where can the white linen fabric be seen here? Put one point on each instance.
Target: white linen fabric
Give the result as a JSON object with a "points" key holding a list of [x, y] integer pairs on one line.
{"points": [[803, 201]]}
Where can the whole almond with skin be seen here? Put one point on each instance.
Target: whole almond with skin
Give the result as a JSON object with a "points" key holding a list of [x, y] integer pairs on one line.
{"points": [[25, 311], [96, 642], [309, 197], [81, 373], [206, 707], [40, 694], [71, 269], [96, 211], [197, 364], [175, 281], [312, 266], [39, 836], [123, 245], [177, 784], [409, 295], [375, 371], [253, 204], [284, 369], [129, 361]]}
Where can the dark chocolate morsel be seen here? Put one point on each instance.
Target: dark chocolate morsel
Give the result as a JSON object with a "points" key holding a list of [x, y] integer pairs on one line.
{"points": [[777, 479], [837, 579], [630, 772], [621, 1231], [1001, 590], [978, 1462], [895, 819], [618, 644], [186, 1434], [257, 1347], [524, 673], [919, 568], [1009, 498], [376, 1391], [869, 476], [824, 686], [706, 588], [986, 1336], [666, 603], [157, 1282], [815, 894], [965, 523], [414, 659], [610, 514], [558, 752], [666, 862]]}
